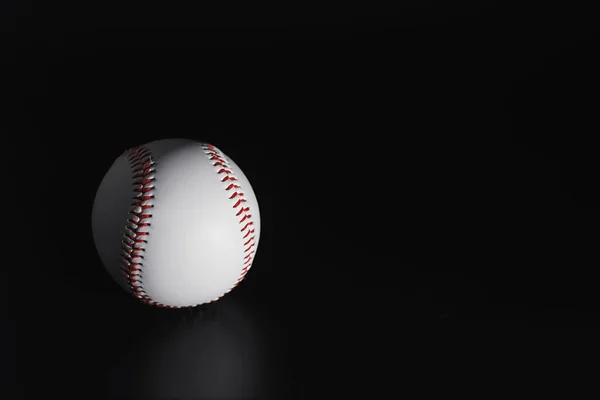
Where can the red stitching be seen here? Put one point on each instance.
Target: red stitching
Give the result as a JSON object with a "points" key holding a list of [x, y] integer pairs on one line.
{"points": [[246, 226], [242, 210], [134, 240], [249, 239], [237, 203]]}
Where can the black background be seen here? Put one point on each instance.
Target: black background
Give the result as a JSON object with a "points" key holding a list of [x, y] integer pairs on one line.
{"points": [[426, 175]]}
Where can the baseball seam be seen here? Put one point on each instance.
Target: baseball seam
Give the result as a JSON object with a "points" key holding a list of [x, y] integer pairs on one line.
{"points": [[135, 235], [240, 206]]}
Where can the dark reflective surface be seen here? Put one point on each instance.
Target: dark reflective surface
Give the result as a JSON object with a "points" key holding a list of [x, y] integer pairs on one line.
{"points": [[208, 354]]}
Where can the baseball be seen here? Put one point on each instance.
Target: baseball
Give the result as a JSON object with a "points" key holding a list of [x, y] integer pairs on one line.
{"points": [[176, 223]]}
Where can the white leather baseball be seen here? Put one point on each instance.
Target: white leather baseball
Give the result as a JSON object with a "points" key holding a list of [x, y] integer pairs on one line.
{"points": [[176, 223]]}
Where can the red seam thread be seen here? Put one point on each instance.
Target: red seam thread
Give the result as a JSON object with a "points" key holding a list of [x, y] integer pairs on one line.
{"points": [[139, 216], [242, 211]]}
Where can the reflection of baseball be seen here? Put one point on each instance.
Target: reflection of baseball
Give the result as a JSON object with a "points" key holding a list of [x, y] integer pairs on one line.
{"points": [[176, 223]]}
